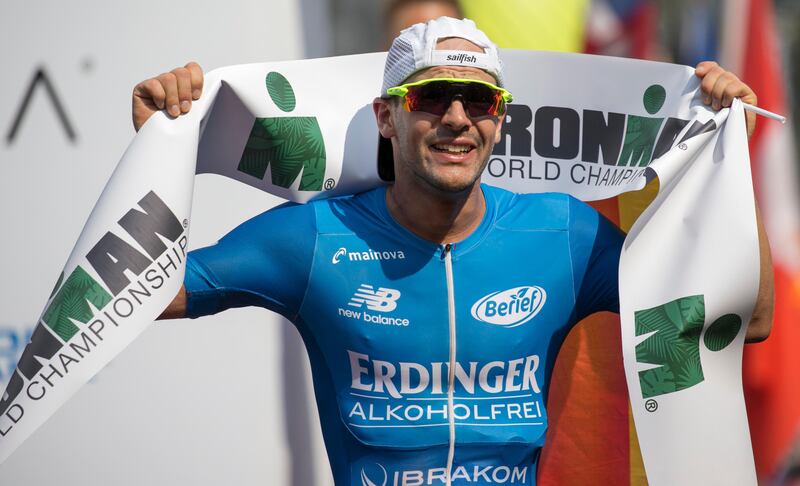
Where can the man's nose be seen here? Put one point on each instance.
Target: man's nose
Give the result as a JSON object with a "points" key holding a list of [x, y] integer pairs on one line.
{"points": [[456, 116]]}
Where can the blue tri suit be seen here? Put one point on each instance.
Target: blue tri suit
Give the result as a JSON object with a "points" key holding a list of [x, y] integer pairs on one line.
{"points": [[424, 356]]}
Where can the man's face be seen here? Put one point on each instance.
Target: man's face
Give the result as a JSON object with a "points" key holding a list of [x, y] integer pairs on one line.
{"points": [[446, 153]]}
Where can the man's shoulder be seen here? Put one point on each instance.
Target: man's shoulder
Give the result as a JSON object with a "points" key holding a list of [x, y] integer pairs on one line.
{"points": [[528, 212], [350, 212]]}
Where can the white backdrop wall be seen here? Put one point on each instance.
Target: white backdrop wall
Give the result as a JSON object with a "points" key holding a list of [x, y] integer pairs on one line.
{"points": [[223, 400]]}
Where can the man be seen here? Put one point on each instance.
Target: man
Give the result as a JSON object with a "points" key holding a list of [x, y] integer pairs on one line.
{"points": [[432, 309], [399, 14]]}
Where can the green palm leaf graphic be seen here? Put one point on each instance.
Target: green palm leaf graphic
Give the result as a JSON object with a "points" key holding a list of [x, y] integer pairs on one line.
{"points": [[289, 146], [72, 303], [280, 91], [674, 345], [722, 332]]}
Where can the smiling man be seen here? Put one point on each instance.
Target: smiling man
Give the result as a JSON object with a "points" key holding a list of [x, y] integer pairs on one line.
{"points": [[431, 363]]}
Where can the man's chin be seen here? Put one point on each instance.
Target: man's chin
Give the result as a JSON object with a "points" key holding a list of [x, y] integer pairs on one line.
{"points": [[450, 186]]}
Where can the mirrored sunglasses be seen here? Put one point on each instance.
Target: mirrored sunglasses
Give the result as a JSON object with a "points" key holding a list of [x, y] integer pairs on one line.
{"points": [[435, 95]]}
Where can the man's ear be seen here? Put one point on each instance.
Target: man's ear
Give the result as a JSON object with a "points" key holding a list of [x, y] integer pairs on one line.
{"points": [[383, 117], [499, 128]]}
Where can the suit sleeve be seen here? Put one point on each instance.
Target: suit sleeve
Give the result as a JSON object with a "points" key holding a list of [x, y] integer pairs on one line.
{"points": [[596, 244], [264, 262]]}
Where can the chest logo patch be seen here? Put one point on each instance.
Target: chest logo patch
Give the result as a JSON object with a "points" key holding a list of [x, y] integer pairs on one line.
{"points": [[510, 308], [381, 300]]}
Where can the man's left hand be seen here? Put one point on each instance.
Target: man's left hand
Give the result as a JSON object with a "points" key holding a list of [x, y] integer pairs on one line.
{"points": [[720, 87]]}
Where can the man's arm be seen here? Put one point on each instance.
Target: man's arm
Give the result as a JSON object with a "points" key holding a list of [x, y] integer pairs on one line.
{"points": [[720, 87], [761, 322], [177, 308]]}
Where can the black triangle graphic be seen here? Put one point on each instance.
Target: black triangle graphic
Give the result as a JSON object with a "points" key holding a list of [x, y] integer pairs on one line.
{"points": [[41, 77]]}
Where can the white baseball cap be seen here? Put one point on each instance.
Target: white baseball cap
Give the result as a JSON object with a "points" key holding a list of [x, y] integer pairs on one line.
{"points": [[415, 49]]}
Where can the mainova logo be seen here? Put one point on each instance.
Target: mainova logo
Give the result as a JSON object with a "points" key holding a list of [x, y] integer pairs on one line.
{"points": [[369, 255], [289, 145], [510, 308], [671, 344]]}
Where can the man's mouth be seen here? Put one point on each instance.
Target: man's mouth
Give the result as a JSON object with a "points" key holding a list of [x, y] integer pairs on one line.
{"points": [[451, 148]]}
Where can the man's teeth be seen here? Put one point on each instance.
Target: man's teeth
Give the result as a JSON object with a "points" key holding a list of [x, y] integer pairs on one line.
{"points": [[459, 149]]}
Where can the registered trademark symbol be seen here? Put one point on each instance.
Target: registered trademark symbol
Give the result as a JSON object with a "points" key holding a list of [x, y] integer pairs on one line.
{"points": [[185, 223], [651, 405], [330, 184], [683, 146]]}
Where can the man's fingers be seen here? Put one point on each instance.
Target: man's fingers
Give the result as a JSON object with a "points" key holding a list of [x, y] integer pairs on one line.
{"points": [[725, 82], [704, 67], [708, 82], [196, 73], [170, 84], [184, 80], [153, 90]]}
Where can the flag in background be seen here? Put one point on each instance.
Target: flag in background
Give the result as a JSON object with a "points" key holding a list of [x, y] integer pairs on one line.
{"points": [[750, 48]]}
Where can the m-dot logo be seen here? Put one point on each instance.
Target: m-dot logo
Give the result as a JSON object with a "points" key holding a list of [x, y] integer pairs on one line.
{"points": [[510, 308]]}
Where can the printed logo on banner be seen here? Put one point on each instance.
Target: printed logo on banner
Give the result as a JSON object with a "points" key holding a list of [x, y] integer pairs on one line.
{"points": [[289, 146], [83, 311], [606, 149], [673, 343]]}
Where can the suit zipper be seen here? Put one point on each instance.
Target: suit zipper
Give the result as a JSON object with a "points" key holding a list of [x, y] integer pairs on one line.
{"points": [[451, 373]]}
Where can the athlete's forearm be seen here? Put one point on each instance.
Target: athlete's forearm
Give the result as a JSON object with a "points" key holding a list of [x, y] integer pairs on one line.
{"points": [[761, 322], [177, 308]]}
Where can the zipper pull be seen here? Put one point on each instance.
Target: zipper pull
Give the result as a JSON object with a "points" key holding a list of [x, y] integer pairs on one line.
{"points": [[448, 247]]}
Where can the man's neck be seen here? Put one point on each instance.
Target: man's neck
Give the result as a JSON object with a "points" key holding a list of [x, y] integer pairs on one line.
{"points": [[434, 216]]}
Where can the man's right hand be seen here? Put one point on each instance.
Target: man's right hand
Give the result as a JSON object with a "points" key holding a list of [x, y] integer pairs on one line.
{"points": [[173, 91]]}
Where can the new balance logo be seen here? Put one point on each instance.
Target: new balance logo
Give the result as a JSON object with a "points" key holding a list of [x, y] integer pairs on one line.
{"points": [[671, 346], [381, 300]]}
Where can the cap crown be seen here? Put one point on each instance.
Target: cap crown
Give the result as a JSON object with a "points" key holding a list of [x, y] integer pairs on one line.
{"points": [[415, 49]]}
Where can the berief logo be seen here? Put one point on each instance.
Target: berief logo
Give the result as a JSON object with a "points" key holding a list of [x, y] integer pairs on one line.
{"points": [[510, 308], [462, 58], [82, 311], [671, 344]]}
